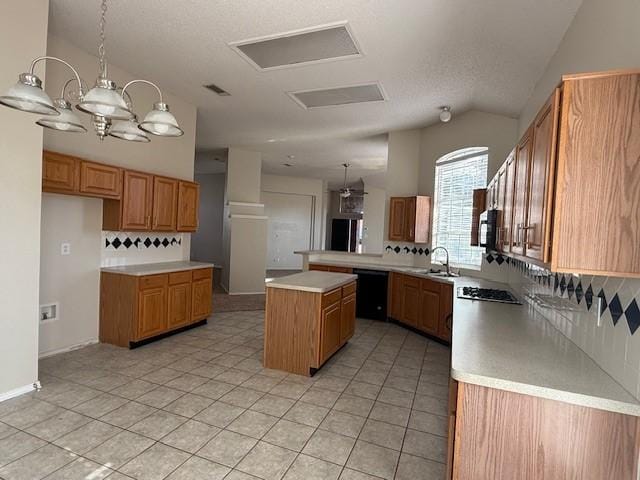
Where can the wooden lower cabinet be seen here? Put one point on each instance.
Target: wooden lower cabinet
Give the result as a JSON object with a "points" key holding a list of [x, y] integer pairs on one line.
{"points": [[421, 303], [502, 435], [303, 329], [136, 308]]}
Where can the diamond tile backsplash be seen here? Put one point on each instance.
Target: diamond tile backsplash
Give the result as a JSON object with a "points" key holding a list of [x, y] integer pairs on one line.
{"points": [[125, 248], [599, 314]]}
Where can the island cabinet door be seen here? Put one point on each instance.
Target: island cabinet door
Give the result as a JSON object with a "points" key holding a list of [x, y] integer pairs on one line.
{"points": [[201, 296], [152, 306], [348, 313], [330, 330]]}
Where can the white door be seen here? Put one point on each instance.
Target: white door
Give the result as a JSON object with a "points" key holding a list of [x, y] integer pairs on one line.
{"points": [[288, 228]]}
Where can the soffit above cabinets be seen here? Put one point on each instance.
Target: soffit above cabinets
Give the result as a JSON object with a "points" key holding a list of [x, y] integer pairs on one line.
{"points": [[299, 47]]}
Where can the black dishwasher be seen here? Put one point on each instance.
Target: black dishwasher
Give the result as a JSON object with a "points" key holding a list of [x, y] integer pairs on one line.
{"points": [[371, 295]]}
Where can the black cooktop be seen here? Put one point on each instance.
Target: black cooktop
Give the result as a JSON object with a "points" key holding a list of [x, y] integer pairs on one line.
{"points": [[487, 295]]}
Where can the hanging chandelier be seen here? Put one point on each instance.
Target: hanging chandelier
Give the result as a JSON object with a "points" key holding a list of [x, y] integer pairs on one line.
{"points": [[111, 108]]}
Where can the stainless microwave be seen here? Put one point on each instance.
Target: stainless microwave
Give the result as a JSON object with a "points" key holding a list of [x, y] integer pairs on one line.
{"points": [[488, 229]]}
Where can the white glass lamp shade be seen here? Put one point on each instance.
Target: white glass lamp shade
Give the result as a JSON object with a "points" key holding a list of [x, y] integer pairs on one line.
{"points": [[105, 101], [445, 114], [27, 95], [67, 121], [160, 121], [128, 130]]}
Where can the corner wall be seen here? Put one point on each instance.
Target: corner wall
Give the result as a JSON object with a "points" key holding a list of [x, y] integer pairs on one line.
{"points": [[74, 280], [20, 200]]}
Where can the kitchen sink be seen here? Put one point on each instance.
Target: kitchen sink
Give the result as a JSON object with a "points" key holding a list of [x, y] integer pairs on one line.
{"points": [[443, 274]]}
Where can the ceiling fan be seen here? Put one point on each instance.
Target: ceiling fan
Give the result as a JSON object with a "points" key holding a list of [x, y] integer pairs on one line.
{"points": [[347, 191]]}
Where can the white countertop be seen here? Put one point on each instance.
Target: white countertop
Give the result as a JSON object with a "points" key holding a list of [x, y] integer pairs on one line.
{"points": [[156, 268], [514, 348], [312, 281], [336, 252]]}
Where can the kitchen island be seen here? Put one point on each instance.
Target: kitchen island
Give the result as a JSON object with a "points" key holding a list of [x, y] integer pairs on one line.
{"points": [[308, 317]]}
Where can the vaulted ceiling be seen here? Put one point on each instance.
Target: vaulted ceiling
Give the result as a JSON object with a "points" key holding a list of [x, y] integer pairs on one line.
{"points": [[484, 55]]}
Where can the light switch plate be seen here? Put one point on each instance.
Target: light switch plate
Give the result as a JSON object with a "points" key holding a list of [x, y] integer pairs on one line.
{"points": [[65, 249]]}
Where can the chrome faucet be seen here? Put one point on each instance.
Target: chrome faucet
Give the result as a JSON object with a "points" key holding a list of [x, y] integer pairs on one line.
{"points": [[449, 274]]}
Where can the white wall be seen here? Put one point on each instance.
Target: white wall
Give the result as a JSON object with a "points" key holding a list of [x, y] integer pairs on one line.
{"points": [[470, 129], [73, 280], [20, 200], [206, 243], [604, 35], [373, 219]]}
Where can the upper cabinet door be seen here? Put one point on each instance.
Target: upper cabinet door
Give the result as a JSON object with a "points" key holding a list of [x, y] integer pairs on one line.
{"points": [[501, 183], [188, 201], [410, 219], [523, 153], [100, 180], [137, 199], [60, 173], [505, 228], [541, 175], [422, 219], [397, 213], [165, 203]]}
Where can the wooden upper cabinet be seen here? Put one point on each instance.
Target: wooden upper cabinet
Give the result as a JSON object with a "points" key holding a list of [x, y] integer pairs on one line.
{"points": [[596, 228], [60, 173], [188, 201], [137, 201], [397, 209], [410, 219], [523, 153], [478, 206], [100, 180], [541, 175], [165, 203]]}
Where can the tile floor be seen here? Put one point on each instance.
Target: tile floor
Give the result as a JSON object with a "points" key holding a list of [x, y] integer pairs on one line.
{"points": [[199, 405]]}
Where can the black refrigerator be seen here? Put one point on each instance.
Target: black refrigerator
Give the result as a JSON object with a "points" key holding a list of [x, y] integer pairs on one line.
{"points": [[344, 235]]}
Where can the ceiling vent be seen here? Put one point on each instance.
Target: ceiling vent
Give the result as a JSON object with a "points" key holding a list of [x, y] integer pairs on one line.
{"points": [[300, 47], [331, 97], [217, 90]]}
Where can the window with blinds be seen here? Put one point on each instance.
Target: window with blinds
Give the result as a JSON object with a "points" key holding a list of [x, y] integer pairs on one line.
{"points": [[457, 175]]}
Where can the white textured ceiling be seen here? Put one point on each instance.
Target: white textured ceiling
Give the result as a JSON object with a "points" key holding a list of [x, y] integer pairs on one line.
{"points": [[484, 54]]}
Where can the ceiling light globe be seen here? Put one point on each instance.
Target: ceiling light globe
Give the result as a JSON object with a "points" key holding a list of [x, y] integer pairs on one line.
{"points": [[161, 122], [445, 114], [67, 121], [27, 95], [128, 130], [105, 101]]}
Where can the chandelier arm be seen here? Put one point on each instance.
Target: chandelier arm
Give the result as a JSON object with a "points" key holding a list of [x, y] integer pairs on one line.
{"points": [[75, 72], [143, 81]]}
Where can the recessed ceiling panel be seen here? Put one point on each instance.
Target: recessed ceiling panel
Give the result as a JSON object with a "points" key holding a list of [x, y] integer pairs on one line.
{"points": [[331, 97], [300, 47]]}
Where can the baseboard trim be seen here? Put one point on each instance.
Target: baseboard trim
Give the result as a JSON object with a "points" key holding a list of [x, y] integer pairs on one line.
{"points": [[247, 293], [16, 392], [76, 346]]}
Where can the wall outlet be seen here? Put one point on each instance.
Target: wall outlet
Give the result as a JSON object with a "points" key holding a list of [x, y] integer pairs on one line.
{"points": [[65, 249]]}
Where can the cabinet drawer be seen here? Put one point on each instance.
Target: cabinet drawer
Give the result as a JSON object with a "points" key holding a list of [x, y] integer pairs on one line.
{"points": [[331, 297], [152, 281], [411, 281], [179, 277], [349, 289], [337, 269], [202, 273]]}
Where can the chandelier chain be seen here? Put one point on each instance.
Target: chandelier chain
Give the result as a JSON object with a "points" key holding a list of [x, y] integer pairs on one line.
{"points": [[101, 49]]}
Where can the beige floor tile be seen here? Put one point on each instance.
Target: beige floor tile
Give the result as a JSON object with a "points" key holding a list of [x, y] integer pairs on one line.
{"points": [[158, 424], [329, 446], [383, 434], [398, 398], [348, 474], [291, 435], [390, 414], [425, 403], [99, 406], [307, 414], [160, 397], [263, 383], [186, 382], [17, 445], [310, 468], [60, 424], [188, 405], [87, 437], [374, 460], [343, 423], [267, 461], [128, 414], [289, 390], [219, 414], [361, 389], [213, 389], [410, 468], [37, 464], [273, 405], [190, 436], [227, 448], [36, 413], [354, 405], [197, 468], [119, 449], [234, 376], [253, 424], [134, 389], [81, 468], [427, 422], [320, 396], [242, 397], [155, 463], [426, 445]]}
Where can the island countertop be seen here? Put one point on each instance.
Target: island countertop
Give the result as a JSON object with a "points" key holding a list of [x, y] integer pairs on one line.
{"points": [[312, 281], [156, 268]]}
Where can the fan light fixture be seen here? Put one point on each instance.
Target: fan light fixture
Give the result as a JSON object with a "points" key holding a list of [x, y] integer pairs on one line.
{"points": [[445, 114], [111, 110]]}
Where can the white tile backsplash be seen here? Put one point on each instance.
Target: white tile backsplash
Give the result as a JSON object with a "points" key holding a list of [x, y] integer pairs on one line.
{"points": [[613, 347], [176, 249]]}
